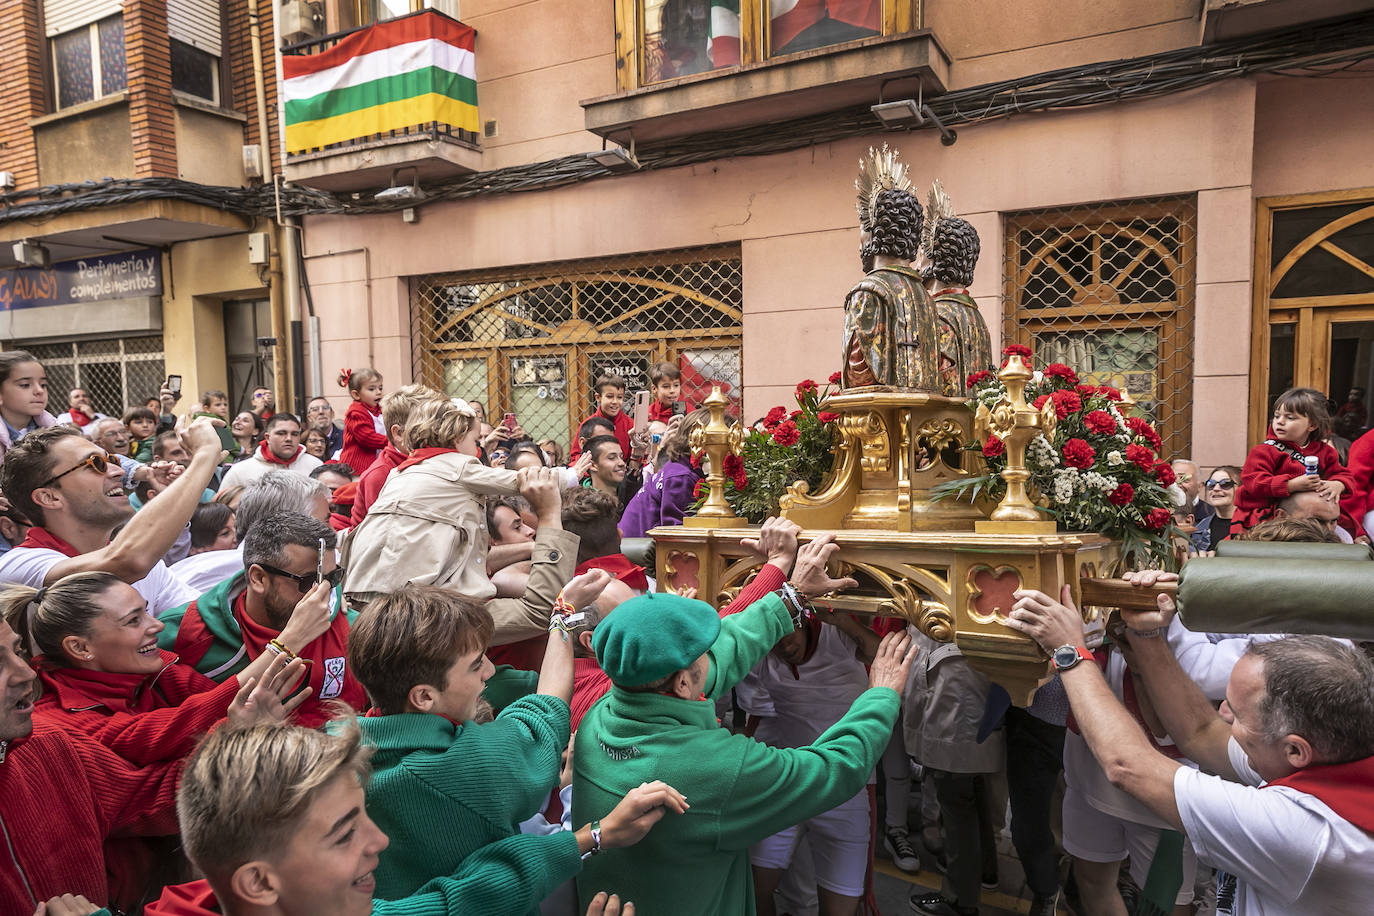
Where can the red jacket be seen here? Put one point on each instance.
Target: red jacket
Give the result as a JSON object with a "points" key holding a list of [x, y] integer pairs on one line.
{"points": [[362, 442], [145, 719], [61, 796], [623, 424], [372, 480], [1357, 501], [1264, 481]]}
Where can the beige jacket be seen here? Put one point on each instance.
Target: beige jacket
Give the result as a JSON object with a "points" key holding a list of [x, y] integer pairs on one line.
{"points": [[429, 526], [942, 709]]}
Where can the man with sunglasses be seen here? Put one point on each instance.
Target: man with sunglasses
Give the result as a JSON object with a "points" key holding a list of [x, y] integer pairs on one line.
{"points": [[286, 599], [73, 491]]}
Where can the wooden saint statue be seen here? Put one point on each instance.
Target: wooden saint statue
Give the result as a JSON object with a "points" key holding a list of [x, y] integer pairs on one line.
{"points": [[951, 246], [890, 334]]}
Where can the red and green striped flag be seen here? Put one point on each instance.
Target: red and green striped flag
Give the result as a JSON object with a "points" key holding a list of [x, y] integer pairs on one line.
{"points": [[395, 74]]}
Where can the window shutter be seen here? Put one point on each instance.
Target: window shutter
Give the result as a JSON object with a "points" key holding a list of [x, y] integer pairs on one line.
{"points": [[64, 15], [197, 23]]}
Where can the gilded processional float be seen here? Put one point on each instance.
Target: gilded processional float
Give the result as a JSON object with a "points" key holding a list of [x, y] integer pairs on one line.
{"points": [[906, 496]]}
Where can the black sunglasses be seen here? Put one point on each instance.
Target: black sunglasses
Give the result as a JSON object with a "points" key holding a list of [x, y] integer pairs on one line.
{"points": [[1224, 484], [308, 581], [97, 461]]}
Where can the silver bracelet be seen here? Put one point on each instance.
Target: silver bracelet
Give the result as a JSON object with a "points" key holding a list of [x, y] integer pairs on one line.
{"points": [[1154, 633]]}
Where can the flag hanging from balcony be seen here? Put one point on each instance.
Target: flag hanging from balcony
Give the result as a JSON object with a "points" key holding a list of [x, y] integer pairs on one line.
{"points": [[395, 74]]}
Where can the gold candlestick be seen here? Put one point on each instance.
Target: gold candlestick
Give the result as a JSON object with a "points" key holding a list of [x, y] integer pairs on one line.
{"points": [[718, 438], [1016, 423]]}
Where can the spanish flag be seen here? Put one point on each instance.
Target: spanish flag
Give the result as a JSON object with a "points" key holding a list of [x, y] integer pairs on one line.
{"points": [[395, 74]]}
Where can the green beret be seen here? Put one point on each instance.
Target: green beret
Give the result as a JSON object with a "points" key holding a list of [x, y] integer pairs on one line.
{"points": [[650, 636]]}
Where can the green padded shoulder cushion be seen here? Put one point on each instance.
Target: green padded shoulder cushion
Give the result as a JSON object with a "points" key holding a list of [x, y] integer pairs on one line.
{"points": [[1271, 595], [1295, 550]]}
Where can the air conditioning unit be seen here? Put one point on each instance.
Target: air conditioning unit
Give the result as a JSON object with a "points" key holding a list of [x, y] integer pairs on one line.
{"points": [[301, 20]]}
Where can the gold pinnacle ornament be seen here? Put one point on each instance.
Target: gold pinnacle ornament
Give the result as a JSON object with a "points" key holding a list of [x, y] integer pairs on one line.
{"points": [[1016, 423], [718, 439]]}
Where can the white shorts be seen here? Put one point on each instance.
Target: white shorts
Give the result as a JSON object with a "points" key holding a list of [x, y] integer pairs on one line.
{"points": [[1095, 836], [839, 846]]}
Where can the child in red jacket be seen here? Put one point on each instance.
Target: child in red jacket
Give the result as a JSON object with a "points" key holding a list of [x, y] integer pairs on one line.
{"points": [[364, 432], [610, 404], [1277, 467]]}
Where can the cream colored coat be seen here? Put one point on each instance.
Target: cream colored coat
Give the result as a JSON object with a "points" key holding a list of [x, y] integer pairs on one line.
{"points": [[429, 526]]}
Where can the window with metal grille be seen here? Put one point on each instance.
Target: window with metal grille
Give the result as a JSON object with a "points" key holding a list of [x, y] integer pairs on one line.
{"points": [[117, 374], [532, 340], [1108, 289]]}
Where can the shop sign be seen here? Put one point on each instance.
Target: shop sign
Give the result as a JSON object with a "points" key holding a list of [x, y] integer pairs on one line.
{"points": [[127, 275]]}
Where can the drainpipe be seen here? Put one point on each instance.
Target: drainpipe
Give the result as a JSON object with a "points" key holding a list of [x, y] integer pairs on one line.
{"points": [[280, 367]]}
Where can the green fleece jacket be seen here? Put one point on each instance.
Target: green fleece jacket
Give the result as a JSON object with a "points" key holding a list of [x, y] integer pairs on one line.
{"points": [[441, 791], [740, 790]]}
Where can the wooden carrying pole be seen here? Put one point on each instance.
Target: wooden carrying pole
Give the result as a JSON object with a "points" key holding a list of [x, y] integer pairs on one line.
{"points": [[1118, 593]]}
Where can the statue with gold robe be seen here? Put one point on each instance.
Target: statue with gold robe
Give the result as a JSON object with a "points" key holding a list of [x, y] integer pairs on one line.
{"points": [[890, 335], [952, 247]]}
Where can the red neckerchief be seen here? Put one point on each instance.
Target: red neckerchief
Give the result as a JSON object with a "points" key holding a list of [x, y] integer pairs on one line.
{"points": [[420, 454], [44, 539], [340, 522], [266, 454], [660, 412], [375, 411], [1346, 788], [194, 899], [118, 692], [618, 565], [80, 417], [326, 656]]}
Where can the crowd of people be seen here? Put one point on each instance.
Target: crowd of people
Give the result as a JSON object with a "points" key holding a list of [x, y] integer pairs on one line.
{"points": [[402, 664]]}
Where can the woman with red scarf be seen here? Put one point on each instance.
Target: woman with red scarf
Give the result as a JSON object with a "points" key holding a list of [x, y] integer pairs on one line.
{"points": [[94, 646]]}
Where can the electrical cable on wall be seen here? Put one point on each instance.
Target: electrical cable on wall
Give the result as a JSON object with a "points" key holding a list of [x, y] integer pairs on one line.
{"points": [[1323, 50]]}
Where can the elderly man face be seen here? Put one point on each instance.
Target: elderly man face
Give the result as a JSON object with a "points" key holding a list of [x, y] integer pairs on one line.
{"points": [[79, 399], [1188, 478], [112, 436], [320, 414]]}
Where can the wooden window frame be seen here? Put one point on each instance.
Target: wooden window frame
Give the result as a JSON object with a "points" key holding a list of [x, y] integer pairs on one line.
{"points": [[898, 17], [92, 30], [1311, 316]]}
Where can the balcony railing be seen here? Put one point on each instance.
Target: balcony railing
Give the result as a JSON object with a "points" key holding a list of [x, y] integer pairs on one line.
{"points": [[412, 77]]}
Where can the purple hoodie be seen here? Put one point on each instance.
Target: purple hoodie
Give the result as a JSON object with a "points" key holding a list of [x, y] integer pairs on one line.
{"points": [[661, 502]]}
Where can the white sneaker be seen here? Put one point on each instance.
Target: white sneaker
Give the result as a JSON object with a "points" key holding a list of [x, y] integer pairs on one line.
{"points": [[899, 847]]}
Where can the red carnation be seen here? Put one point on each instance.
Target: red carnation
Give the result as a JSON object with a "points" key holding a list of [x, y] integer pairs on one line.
{"points": [[834, 378], [786, 433], [740, 480], [1100, 423], [1079, 454], [697, 459], [1122, 495], [804, 387], [699, 490], [775, 416], [1139, 427], [1108, 392], [1059, 370], [1065, 403], [794, 415], [994, 447], [1016, 350], [977, 378], [1157, 519], [1164, 474], [1040, 401], [1086, 391], [1141, 457], [826, 416], [733, 465]]}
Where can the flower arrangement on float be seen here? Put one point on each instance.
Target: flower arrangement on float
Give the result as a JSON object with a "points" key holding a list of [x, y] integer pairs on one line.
{"points": [[1101, 470], [777, 451]]}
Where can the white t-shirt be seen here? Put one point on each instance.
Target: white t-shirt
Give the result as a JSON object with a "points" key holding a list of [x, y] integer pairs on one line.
{"points": [[1278, 851], [204, 571], [29, 566]]}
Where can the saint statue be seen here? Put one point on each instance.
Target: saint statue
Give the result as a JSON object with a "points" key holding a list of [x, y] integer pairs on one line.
{"points": [[951, 245], [890, 334]]}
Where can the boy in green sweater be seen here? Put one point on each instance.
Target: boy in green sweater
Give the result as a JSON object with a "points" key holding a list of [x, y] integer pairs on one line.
{"points": [[444, 787], [273, 817], [668, 658]]}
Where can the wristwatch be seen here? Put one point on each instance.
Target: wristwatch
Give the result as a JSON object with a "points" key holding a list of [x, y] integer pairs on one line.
{"points": [[1065, 657]]}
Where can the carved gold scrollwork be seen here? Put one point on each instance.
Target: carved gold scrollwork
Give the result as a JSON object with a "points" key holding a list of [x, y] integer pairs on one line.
{"points": [[871, 433], [936, 621], [940, 432]]}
